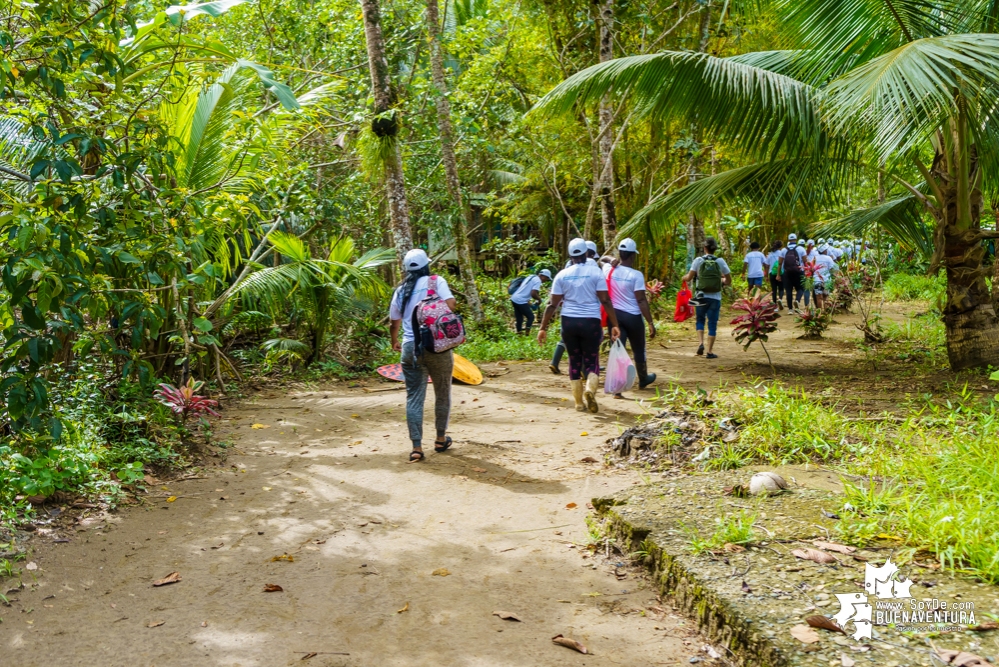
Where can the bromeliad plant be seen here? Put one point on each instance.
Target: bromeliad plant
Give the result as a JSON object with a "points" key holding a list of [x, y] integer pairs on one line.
{"points": [[185, 402], [814, 321], [759, 321]]}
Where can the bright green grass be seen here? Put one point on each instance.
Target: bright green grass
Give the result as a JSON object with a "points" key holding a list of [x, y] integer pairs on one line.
{"points": [[909, 287]]}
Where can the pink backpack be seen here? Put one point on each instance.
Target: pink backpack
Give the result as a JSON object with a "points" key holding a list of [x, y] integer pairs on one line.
{"points": [[437, 327]]}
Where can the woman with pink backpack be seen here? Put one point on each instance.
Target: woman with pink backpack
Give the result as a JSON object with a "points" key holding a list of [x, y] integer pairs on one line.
{"points": [[419, 295]]}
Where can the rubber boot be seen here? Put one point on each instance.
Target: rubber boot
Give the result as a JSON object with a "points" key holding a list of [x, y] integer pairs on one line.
{"points": [[557, 358], [577, 393], [590, 392], [645, 378]]}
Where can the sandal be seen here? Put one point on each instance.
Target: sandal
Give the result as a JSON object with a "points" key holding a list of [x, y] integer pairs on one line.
{"points": [[442, 446], [418, 454], [700, 350]]}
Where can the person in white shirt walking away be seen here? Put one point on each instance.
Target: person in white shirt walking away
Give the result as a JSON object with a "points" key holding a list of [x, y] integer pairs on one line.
{"points": [[627, 293], [752, 265], [823, 276], [416, 367], [529, 289], [581, 289]]}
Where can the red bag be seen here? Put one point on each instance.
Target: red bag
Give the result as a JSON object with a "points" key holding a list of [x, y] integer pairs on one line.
{"points": [[683, 308], [603, 311]]}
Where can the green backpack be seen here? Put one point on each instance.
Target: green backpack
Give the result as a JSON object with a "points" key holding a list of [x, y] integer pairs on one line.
{"points": [[709, 277]]}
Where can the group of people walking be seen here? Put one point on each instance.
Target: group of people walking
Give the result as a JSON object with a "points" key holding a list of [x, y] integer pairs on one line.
{"points": [[597, 295]]}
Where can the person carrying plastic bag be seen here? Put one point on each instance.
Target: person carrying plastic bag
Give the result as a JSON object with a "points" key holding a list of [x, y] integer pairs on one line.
{"points": [[621, 372]]}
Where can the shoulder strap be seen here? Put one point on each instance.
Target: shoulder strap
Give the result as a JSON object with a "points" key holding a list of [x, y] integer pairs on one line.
{"points": [[432, 286]]}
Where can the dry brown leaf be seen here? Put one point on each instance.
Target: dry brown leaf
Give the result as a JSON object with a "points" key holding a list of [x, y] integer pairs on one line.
{"points": [[824, 623], [733, 548], [805, 634], [813, 555], [961, 658], [308, 656], [204, 624], [440, 572], [571, 506], [405, 608], [569, 643], [846, 661], [155, 624], [272, 588], [259, 426], [478, 470], [589, 459], [285, 557], [506, 616], [832, 546], [986, 626], [171, 578], [745, 588]]}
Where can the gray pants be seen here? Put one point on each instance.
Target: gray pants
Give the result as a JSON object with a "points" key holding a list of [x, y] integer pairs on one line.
{"points": [[415, 370]]}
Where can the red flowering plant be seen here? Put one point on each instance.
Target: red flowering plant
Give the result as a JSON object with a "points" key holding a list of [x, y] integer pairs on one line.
{"points": [[654, 289], [758, 322], [811, 269], [184, 401], [814, 321]]}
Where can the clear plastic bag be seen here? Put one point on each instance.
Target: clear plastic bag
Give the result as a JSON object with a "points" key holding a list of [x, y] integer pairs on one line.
{"points": [[621, 373]]}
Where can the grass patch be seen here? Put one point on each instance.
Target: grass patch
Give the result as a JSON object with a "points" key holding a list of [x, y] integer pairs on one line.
{"points": [[733, 529], [909, 287]]}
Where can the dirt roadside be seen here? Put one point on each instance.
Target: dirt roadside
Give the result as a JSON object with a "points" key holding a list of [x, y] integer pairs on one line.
{"points": [[327, 484]]}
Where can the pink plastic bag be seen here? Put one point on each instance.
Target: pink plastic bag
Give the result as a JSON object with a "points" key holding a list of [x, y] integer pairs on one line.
{"points": [[621, 373]]}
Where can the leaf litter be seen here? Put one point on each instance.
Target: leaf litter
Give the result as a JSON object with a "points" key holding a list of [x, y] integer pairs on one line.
{"points": [[171, 578], [570, 643]]}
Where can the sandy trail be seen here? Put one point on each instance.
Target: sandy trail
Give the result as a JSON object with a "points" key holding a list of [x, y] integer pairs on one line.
{"points": [[328, 484]]}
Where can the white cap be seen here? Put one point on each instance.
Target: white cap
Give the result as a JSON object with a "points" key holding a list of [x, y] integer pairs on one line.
{"points": [[577, 247], [792, 237], [415, 259], [810, 242], [546, 273], [823, 248], [590, 245], [822, 241], [628, 245]]}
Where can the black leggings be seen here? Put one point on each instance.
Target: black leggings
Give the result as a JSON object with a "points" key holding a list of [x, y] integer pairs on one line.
{"points": [[582, 336], [793, 282], [777, 289], [522, 311], [632, 330]]}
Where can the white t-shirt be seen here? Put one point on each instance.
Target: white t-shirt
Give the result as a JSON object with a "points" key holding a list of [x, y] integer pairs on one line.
{"points": [[826, 268], [721, 265], [396, 312], [625, 282], [754, 261], [773, 257], [523, 293], [578, 286], [835, 253], [810, 257], [589, 260]]}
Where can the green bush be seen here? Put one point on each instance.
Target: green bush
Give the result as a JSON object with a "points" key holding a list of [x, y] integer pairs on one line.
{"points": [[909, 287]]}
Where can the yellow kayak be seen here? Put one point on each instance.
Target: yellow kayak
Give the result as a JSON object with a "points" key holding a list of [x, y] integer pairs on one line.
{"points": [[464, 371]]}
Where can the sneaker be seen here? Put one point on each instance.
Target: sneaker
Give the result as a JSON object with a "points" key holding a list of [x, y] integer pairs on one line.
{"points": [[711, 355], [700, 350]]}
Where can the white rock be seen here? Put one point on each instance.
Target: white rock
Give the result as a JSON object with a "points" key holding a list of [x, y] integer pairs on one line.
{"points": [[766, 483]]}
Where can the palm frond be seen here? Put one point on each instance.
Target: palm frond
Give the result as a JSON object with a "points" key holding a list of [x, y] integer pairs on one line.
{"points": [[760, 111], [789, 187], [900, 218], [904, 96]]}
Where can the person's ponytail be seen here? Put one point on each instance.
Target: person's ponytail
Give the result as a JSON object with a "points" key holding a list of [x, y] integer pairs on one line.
{"points": [[409, 284]]}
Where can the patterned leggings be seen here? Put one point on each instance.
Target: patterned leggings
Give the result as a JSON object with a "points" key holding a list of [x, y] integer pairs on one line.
{"points": [[582, 336]]}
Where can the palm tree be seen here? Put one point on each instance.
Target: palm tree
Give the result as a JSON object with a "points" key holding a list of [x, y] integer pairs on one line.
{"points": [[906, 90], [323, 290]]}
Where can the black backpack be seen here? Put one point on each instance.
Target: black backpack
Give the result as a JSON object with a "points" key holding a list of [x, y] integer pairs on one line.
{"points": [[792, 261], [515, 285]]}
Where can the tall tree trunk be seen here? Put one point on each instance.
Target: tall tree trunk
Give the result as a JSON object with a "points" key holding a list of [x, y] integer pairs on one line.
{"points": [[695, 226], [461, 223], [381, 91], [969, 316], [605, 184]]}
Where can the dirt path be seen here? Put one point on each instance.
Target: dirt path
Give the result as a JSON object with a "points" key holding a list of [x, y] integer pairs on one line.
{"points": [[327, 484]]}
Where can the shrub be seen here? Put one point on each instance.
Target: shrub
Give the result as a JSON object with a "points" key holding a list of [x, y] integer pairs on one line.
{"points": [[814, 321], [909, 287]]}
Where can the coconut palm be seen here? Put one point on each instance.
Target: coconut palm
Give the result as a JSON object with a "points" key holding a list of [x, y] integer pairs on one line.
{"points": [[323, 290], [904, 89]]}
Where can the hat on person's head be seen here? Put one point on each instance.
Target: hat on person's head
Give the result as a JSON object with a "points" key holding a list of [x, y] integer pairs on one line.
{"points": [[822, 241], [577, 247], [628, 245], [546, 273], [823, 248], [590, 245], [792, 237], [415, 259], [810, 242]]}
